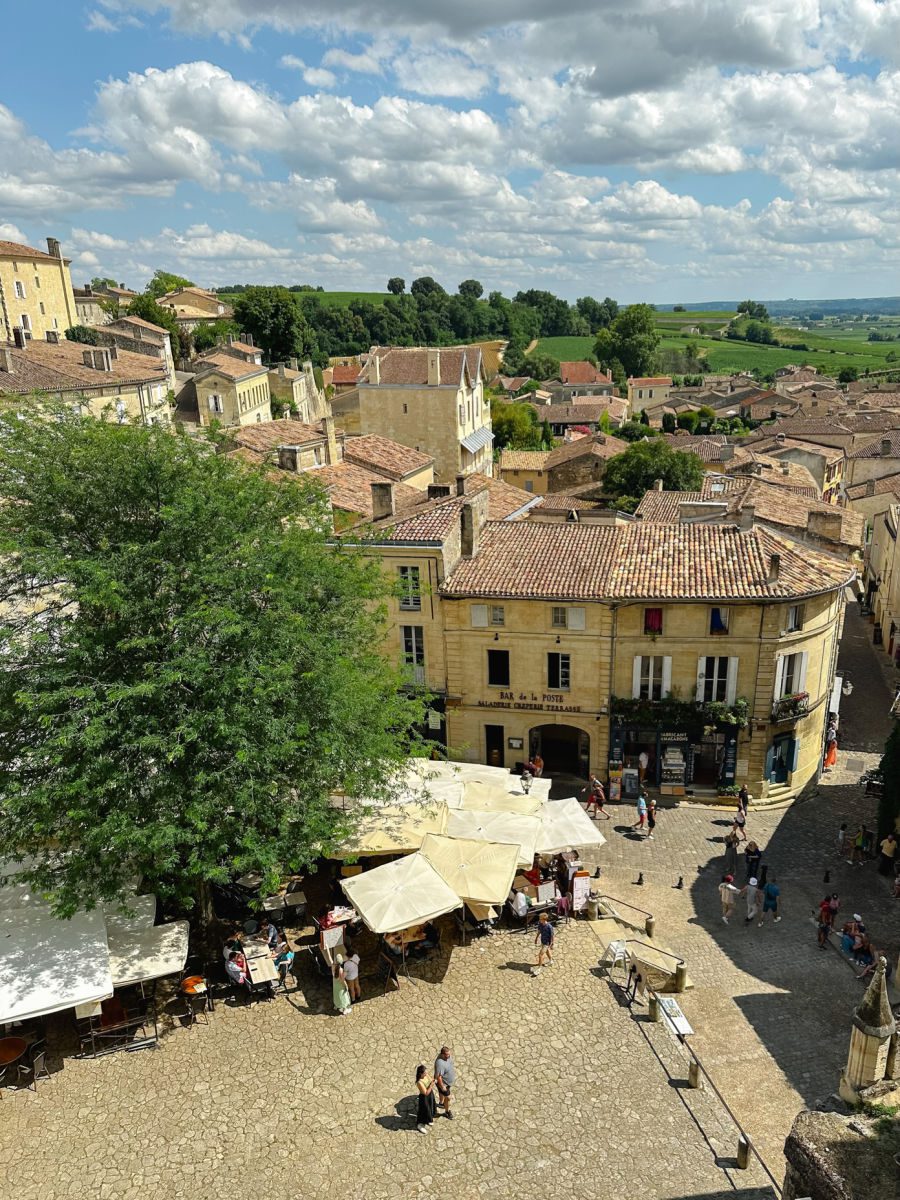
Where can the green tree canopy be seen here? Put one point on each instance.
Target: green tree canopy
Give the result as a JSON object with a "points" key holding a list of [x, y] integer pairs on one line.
{"points": [[753, 308], [471, 289], [848, 375], [276, 322], [147, 309], [163, 282], [213, 333], [99, 282], [516, 426], [83, 333], [541, 366], [637, 468], [396, 286], [630, 341], [178, 707]]}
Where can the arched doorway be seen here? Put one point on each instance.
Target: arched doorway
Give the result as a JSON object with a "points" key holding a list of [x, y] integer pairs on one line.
{"points": [[565, 749]]}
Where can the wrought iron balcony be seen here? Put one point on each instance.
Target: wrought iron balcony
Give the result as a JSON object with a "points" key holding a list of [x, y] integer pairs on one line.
{"points": [[790, 708]]}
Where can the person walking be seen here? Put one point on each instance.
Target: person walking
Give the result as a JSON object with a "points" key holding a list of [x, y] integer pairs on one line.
{"points": [[596, 797], [445, 1078], [545, 936], [888, 850], [752, 859], [425, 1107], [728, 894], [743, 799], [340, 993], [827, 913], [830, 748], [731, 860], [641, 812], [643, 763], [841, 840], [770, 900], [740, 824], [651, 817], [538, 766], [751, 894], [858, 847]]}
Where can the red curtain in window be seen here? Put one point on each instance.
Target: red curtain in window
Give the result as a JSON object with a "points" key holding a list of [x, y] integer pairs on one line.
{"points": [[652, 620]]}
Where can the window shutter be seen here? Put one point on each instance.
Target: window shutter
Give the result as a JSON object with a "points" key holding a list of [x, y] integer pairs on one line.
{"points": [[731, 689], [779, 675], [667, 676], [770, 762], [553, 671], [801, 686], [576, 618], [479, 616], [212, 403], [701, 677], [636, 678], [793, 754]]}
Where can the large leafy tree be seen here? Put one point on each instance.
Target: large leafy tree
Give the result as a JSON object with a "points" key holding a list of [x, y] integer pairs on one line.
{"points": [[516, 426], [190, 667], [276, 321], [630, 341], [163, 282], [636, 469]]}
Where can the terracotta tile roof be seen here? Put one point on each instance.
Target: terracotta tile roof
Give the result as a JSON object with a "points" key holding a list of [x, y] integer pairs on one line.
{"points": [[533, 560], [46, 366], [350, 488], [582, 372], [797, 477], [650, 381], [504, 499], [387, 457], [512, 383], [141, 323], [707, 447], [190, 291], [523, 460], [873, 449], [230, 366], [243, 348], [773, 445], [409, 366], [570, 414], [433, 520], [560, 502], [888, 484], [17, 250], [875, 400], [345, 374], [599, 446], [664, 507], [270, 435]]}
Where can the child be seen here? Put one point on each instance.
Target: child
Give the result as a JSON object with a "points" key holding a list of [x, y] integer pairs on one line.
{"points": [[544, 935]]}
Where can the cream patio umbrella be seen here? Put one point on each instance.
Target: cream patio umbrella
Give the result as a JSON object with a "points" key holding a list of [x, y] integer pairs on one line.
{"points": [[394, 829], [512, 829], [565, 824], [402, 893], [479, 871], [487, 797]]}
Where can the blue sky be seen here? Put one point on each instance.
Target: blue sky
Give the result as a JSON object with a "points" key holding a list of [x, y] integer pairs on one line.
{"points": [[674, 151]]}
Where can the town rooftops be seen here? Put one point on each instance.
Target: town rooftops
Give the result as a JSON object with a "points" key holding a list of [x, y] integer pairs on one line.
{"points": [[434, 519], [599, 445], [244, 348], [408, 367], [887, 485], [270, 435], [536, 561], [572, 414], [17, 250], [886, 446], [230, 366], [385, 456], [349, 487], [649, 381], [523, 460], [341, 374], [187, 291], [795, 477], [583, 372], [159, 334], [778, 443], [61, 367]]}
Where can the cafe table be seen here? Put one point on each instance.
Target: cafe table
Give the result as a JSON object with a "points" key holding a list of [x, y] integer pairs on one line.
{"points": [[260, 964], [11, 1049]]}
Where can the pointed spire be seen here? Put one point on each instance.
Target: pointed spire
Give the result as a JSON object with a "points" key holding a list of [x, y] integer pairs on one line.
{"points": [[874, 1016]]}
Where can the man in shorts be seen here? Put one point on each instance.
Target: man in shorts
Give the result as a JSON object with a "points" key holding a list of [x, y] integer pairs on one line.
{"points": [[770, 894], [544, 935], [444, 1079]]}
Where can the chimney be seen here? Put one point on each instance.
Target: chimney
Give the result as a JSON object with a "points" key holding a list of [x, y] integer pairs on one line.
{"points": [[460, 485], [6, 360], [852, 401], [757, 468], [281, 370], [825, 524], [230, 339], [87, 357], [886, 447], [774, 568], [247, 339], [471, 521], [382, 500], [375, 369], [53, 248], [779, 437], [600, 439], [19, 338], [438, 491], [657, 485], [295, 365], [785, 467], [434, 368], [870, 487], [53, 337], [726, 453], [747, 516], [88, 290], [113, 351], [331, 446], [288, 458]]}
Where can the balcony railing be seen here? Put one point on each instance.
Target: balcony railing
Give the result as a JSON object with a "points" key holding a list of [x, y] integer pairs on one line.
{"points": [[790, 708]]}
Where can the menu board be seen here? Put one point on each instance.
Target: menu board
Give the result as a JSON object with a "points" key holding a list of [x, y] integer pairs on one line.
{"points": [[581, 889]]}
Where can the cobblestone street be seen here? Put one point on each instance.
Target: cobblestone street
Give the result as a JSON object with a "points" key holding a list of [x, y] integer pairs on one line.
{"points": [[561, 1086]]}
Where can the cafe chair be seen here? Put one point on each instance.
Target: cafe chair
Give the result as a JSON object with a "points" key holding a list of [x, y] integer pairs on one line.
{"points": [[37, 1067]]}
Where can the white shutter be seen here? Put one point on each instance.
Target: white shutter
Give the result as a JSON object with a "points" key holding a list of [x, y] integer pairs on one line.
{"points": [[779, 676], [731, 686], [576, 618], [636, 678], [479, 616], [212, 403], [801, 683], [701, 677], [667, 676]]}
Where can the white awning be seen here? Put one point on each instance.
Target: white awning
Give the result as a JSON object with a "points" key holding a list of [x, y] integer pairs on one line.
{"points": [[406, 892], [488, 797], [475, 441], [480, 871], [138, 954], [565, 825], [394, 829], [511, 829], [47, 964]]}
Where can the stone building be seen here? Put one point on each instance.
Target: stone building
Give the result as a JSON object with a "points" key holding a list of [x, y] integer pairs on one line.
{"points": [[193, 306], [35, 291], [296, 390], [648, 392], [141, 337], [432, 400], [593, 643], [232, 388]]}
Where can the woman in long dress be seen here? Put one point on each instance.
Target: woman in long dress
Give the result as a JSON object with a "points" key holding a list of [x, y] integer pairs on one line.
{"points": [[425, 1109], [340, 993]]}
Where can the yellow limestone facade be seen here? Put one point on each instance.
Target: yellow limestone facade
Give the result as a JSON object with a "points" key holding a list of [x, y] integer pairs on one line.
{"points": [[35, 291]]}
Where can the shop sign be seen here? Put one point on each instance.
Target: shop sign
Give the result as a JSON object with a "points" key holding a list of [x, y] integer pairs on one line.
{"points": [[674, 737], [533, 701]]}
